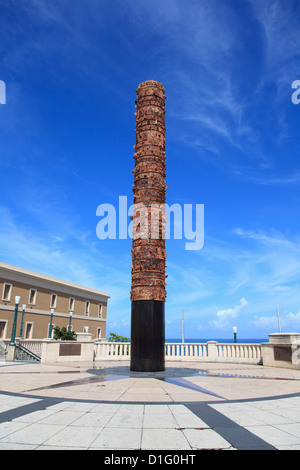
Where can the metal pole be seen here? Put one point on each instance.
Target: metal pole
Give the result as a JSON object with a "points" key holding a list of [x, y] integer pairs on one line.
{"points": [[13, 334], [22, 320], [70, 319], [50, 326], [279, 323], [182, 326], [234, 334]]}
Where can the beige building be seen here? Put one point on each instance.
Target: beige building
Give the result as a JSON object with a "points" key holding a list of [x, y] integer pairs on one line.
{"points": [[42, 293]]}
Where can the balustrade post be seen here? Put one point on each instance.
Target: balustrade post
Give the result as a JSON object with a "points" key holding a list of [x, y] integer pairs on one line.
{"points": [[212, 350]]}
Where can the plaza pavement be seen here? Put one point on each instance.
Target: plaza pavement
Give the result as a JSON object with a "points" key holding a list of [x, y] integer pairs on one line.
{"points": [[190, 406]]}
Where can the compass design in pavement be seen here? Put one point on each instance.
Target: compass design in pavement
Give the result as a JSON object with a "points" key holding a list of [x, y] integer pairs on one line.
{"points": [[178, 376]]}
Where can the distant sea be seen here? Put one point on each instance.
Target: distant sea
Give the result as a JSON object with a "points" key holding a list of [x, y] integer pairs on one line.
{"points": [[222, 340]]}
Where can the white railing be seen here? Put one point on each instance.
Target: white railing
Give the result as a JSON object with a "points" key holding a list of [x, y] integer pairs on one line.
{"points": [[185, 351], [33, 345], [241, 352], [111, 351], [210, 352]]}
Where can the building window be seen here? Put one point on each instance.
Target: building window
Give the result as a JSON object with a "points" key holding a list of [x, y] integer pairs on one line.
{"points": [[6, 294], [3, 328], [87, 308], [100, 307], [28, 330], [99, 333], [71, 304], [32, 297], [53, 301]]}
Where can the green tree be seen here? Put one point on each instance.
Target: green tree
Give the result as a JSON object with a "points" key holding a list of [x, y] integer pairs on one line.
{"points": [[63, 334], [117, 338], [120, 339]]}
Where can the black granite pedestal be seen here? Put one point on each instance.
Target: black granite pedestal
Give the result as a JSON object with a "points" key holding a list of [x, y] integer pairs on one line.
{"points": [[147, 336]]}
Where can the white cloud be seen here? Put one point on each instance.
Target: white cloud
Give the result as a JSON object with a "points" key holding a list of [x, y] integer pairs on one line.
{"points": [[268, 323], [280, 26], [224, 316], [260, 266], [272, 180], [272, 266], [295, 317]]}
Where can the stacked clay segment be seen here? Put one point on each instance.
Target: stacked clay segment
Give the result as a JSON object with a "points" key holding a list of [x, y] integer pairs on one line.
{"points": [[148, 244]]}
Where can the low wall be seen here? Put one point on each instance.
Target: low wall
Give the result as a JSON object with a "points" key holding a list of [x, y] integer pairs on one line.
{"points": [[283, 350], [67, 351], [85, 350]]}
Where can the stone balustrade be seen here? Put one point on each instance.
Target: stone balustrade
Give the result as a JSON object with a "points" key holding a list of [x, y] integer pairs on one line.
{"points": [[210, 351], [99, 350]]}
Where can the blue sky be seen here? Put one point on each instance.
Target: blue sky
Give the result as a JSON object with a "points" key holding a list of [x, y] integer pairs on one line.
{"points": [[67, 132]]}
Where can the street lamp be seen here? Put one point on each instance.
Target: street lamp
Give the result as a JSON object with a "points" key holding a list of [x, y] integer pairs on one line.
{"points": [[13, 334], [70, 319], [234, 333], [22, 320], [50, 326]]}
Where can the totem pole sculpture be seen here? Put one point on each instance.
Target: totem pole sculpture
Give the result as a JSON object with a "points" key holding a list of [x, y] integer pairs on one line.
{"points": [[148, 291]]}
